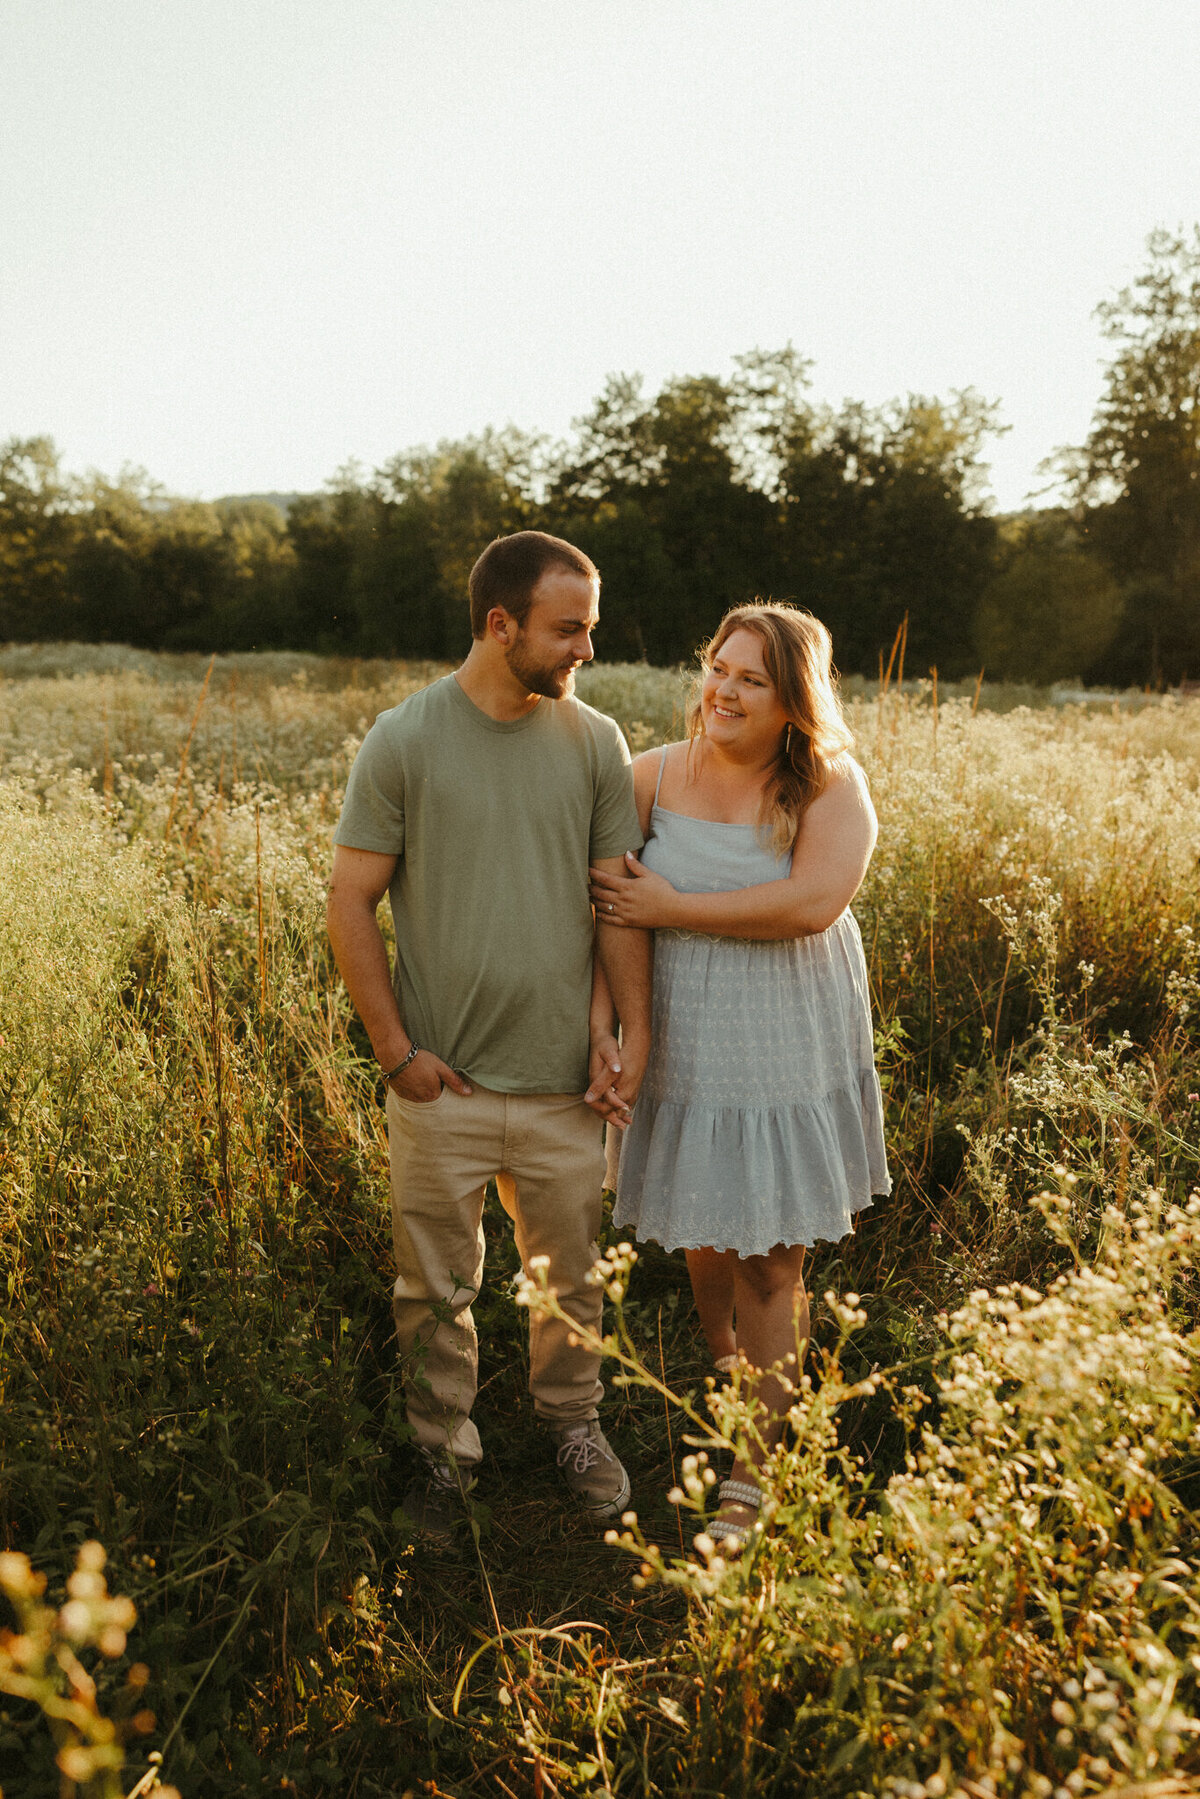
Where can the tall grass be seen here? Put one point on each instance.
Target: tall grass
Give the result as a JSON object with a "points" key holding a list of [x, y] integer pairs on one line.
{"points": [[195, 1356]]}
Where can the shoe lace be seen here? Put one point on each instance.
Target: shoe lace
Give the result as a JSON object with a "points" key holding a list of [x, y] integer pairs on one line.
{"points": [[581, 1450], [442, 1476]]}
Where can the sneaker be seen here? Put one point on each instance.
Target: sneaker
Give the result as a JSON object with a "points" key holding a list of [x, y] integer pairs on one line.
{"points": [[436, 1501], [590, 1469]]}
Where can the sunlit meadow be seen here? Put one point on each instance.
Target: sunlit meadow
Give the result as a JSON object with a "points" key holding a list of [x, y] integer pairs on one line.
{"points": [[980, 1572]]}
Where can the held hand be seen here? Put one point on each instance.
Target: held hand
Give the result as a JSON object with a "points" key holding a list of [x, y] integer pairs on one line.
{"points": [[604, 1070], [424, 1078], [643, 903]]}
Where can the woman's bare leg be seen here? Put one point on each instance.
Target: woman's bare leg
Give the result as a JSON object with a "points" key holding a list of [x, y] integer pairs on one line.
{"points": [[712, 1272], [771, 1307]]}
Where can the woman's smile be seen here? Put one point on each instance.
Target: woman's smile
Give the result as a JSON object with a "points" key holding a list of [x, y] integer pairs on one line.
{"points": [[737, 690]]}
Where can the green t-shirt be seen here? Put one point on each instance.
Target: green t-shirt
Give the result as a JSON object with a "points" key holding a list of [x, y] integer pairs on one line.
{"points": [[493, 825]]}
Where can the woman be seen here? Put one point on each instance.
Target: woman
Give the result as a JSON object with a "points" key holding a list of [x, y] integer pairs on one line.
{"points": [[759, 1129]]}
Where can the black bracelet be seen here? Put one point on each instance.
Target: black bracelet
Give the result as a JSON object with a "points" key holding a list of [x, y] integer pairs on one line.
{"points": [[400, 1066]]}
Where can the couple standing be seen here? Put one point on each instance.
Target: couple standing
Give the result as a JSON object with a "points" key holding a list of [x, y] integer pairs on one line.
{"points": [[479, 806]]}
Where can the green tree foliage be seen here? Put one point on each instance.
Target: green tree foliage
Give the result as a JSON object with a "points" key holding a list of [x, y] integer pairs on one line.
{"points": [[1052, 611], [714, 491], [883, 519], [666, 468], [691, 499], [260, 567], [433, 512], [328, 532], [175, 574], [36, 530], [1141, 463], [110, 561]]}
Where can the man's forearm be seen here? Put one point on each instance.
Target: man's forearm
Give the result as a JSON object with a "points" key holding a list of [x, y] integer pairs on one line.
{"points": [[625, 961], [602, 1014], [361, 956]]}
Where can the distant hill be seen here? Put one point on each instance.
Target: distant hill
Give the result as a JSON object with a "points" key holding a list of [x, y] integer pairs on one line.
{"points": [[281, 501]]}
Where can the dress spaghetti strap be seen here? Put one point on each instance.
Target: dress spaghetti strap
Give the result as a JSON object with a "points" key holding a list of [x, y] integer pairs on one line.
{"points": [[662, 763]]}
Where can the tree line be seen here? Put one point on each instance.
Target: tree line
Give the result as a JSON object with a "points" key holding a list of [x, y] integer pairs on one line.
{"points": [[690, 500]]}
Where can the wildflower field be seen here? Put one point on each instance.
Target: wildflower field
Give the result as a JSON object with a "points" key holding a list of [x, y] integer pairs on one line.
{"points": [[981, 1572]]}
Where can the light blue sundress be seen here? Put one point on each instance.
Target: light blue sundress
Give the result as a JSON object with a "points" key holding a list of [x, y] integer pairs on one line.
{"points": [[761, 1119]]}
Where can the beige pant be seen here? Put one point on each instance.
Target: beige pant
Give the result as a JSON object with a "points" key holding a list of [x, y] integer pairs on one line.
{"points": [[546, 1155]]}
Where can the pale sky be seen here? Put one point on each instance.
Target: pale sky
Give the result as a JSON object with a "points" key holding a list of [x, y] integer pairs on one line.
{"points": [[243, 241]]}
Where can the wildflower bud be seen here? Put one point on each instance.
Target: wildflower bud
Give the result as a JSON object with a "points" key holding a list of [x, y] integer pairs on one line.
{"points": [[85, 1585], [18, 1578], [610, 1536], [74, 1621], [76, 1762]]}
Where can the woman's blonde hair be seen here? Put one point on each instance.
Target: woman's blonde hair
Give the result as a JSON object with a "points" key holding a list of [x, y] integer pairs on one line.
{"points": [[798, 656]]}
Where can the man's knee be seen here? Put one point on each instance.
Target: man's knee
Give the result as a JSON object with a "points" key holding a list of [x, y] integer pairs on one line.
{"points": [[443, 1300]]}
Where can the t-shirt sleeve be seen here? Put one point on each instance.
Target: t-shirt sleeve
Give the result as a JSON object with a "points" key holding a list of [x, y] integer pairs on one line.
{"points": [[372, 816], [615, 827]]}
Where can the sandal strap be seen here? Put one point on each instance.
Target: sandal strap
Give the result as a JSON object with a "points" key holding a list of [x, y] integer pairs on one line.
{"points": [[721, 1532], [739, 1492]]}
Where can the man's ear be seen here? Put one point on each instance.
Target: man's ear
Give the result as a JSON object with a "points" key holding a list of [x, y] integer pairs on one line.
{"points": [[500, 624]]}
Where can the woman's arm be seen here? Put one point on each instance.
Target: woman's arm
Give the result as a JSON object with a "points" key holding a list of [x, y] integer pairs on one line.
{"points": [[832, 851]]}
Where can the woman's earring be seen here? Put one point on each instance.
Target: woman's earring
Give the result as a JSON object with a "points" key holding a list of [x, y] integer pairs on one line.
{"points": [[787, 742]]}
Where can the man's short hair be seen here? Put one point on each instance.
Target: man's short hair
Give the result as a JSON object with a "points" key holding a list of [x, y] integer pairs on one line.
{"points": [[511, 567]]}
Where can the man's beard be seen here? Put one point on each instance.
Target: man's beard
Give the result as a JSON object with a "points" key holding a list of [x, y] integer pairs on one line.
{"points": [[553, 682]]}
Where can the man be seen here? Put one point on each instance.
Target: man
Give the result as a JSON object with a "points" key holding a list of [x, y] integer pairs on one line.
{"points": [[477, 805]]}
